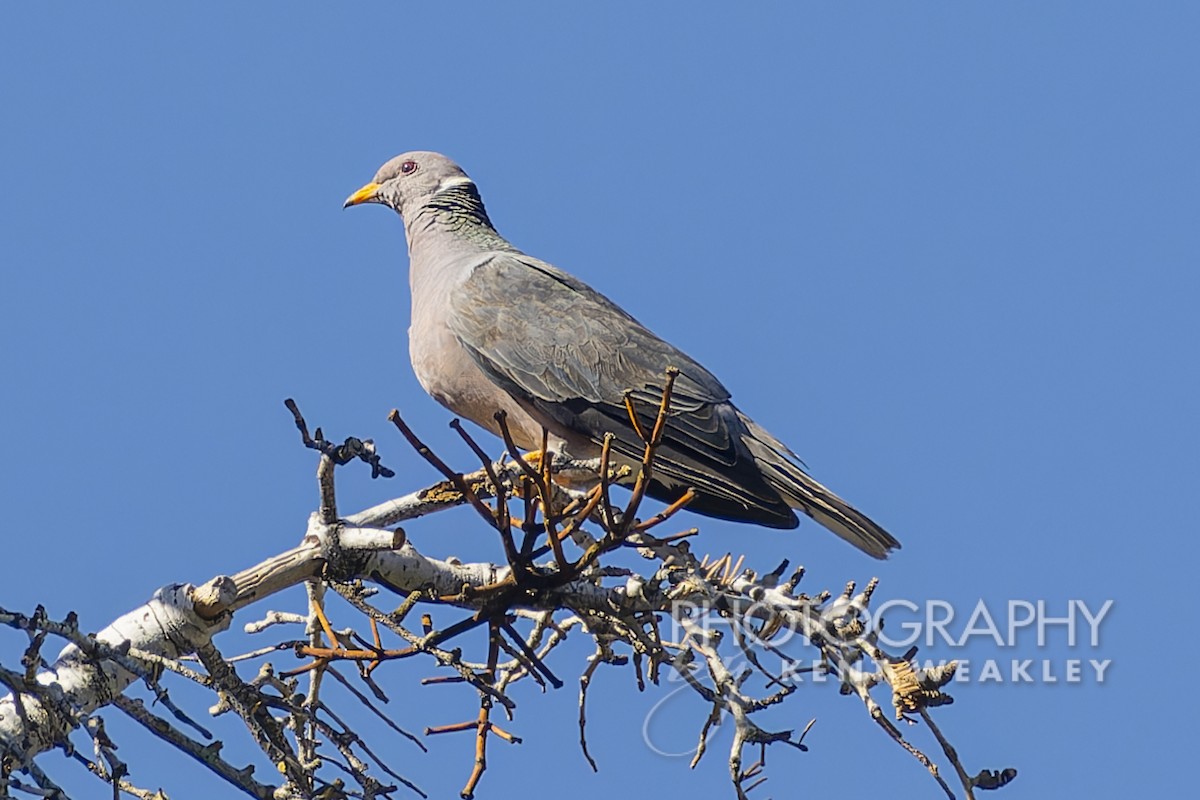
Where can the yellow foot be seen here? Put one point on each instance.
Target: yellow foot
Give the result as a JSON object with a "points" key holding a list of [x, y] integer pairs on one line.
{"points": [[566, 478]]}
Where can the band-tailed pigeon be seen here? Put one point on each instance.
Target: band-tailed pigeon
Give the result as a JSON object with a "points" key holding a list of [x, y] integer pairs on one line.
{"points": [[495, 329]]}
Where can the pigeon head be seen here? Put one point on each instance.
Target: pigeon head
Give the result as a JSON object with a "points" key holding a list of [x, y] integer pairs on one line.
{"points": [[410, 180]]}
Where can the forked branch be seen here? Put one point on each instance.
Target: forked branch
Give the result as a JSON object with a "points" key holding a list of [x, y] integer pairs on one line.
{"points": [[662, 619]]}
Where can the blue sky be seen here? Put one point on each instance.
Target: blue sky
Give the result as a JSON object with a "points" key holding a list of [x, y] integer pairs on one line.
{"points": [[949, 254]]}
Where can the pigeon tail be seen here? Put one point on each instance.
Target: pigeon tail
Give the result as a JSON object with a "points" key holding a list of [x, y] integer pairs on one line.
{"points": [[805, 494]]}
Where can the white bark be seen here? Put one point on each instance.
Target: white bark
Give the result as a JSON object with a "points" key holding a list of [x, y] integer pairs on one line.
{"points": [[77, 683], [181, 619]]}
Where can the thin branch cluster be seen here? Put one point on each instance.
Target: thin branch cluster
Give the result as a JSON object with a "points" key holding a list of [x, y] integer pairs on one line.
{"points": [[712, 624]]}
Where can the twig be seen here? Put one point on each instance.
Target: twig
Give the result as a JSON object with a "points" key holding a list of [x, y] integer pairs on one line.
{"points": [[455, 478]]}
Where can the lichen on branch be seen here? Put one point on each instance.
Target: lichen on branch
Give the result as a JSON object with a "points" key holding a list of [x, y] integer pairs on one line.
{"points": [[716, 625]]}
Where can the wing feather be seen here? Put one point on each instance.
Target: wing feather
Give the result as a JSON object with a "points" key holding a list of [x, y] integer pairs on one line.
{"points": [[549, 339]]}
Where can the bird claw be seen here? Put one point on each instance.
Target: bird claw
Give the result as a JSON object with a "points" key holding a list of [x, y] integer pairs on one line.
{"points": [[566, 471], [533, 459]]}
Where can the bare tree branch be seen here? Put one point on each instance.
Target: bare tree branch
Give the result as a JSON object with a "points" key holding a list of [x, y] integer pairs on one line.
{"points": [[527, 607]]}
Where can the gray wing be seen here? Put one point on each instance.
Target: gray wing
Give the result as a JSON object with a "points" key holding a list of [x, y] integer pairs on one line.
{"points": [[550, 340]]}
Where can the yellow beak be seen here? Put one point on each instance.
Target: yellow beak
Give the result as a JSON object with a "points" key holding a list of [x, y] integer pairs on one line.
{"points": [[364, 195]]}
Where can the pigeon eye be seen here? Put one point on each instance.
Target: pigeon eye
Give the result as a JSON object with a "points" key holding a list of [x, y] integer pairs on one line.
{"points": [[408, 167]]}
